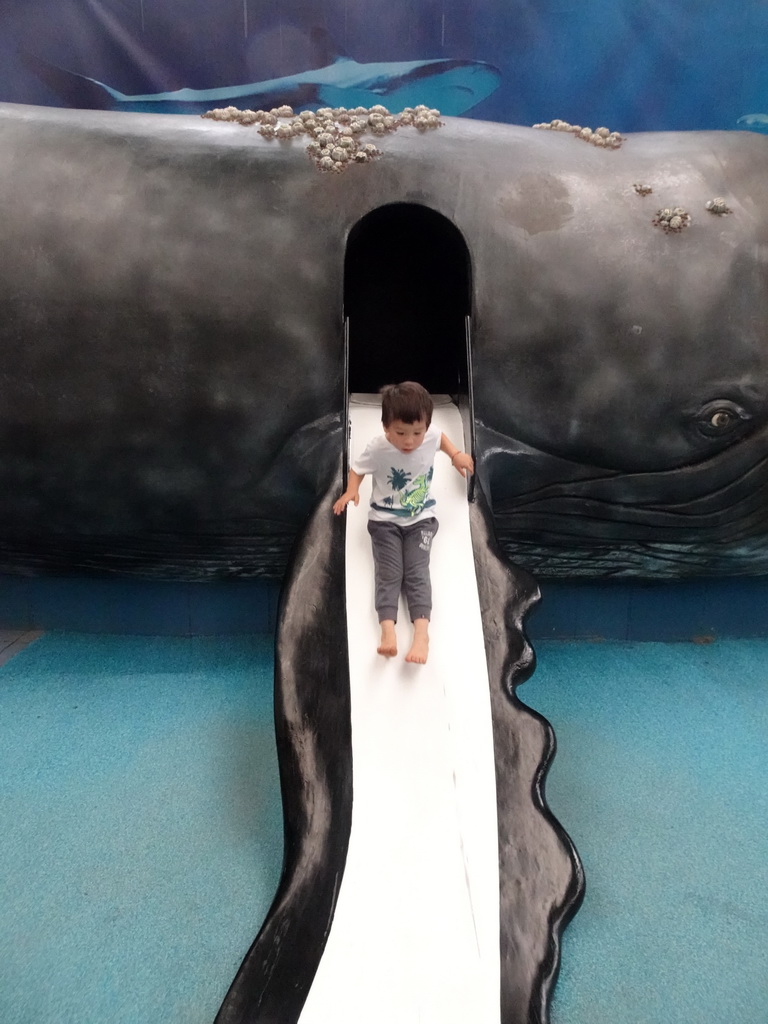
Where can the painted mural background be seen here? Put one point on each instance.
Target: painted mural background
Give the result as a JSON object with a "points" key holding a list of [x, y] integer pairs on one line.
{"points": [[633, 65]]}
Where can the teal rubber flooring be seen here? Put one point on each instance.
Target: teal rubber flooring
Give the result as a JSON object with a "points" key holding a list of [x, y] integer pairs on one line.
{"points": [[661, 780], [141, 830], [140, 826]]}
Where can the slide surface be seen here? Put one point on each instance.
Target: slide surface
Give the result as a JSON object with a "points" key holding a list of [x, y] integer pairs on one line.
{"points": [[415, 934]]}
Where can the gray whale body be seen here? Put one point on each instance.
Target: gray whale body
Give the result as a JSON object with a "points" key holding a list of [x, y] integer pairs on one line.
{"points": [[172, 295]]}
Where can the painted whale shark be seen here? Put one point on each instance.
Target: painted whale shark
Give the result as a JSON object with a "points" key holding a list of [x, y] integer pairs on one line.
{"points": [[451, 85]]}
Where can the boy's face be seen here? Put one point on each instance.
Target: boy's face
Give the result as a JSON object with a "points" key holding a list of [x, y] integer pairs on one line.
{"points": [[406, 437]]}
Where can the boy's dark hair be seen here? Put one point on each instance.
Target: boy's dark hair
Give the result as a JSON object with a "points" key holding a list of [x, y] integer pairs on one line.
{"points": [[407, 402]]}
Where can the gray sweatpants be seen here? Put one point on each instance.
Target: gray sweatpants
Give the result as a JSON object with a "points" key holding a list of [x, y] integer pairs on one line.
{"points": [[401, 562]]}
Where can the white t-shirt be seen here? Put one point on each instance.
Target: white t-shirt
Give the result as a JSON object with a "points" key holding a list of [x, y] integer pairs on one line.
{"points": [[400, 492]]}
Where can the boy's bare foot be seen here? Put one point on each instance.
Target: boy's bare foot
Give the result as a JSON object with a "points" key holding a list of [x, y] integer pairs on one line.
{"points": [[388, 645], [420, 646]]}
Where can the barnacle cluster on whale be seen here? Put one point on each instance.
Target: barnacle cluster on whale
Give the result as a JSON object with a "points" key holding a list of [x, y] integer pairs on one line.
{"points": [[718, 206], [334, 131], [603, 138], [672, 219]]}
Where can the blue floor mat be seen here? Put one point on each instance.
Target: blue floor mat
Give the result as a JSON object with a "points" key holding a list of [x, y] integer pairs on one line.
{"points": [[140, 826], [141, 836], [661, 779]]}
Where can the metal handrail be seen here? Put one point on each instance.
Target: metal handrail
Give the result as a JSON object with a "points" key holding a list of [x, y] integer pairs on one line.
{"points": [[345, 425], [470, 405]]}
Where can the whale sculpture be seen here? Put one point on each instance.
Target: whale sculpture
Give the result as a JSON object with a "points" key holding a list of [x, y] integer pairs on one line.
{"points": [[173, 292]]}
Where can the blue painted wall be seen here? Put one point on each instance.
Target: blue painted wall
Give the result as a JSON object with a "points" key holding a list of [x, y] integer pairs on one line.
{"points": [[699, 610], [633, 66], [688, 610], [138, 606]]}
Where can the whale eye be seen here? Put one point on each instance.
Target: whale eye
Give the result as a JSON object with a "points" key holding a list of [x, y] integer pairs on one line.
{"points": [[721, 418]]}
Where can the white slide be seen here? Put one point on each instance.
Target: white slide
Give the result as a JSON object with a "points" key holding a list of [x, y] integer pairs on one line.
{"points": [[415, 935]]}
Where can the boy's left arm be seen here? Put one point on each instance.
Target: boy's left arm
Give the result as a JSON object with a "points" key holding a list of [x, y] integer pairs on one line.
{"points": [[461, 461]]}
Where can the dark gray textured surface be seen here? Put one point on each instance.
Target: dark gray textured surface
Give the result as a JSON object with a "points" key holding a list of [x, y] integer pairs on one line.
{"points": [[171, 296], [157, 388]]}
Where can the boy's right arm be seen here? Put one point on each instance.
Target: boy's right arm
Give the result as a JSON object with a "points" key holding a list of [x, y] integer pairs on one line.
{"points": [[352, 492]]}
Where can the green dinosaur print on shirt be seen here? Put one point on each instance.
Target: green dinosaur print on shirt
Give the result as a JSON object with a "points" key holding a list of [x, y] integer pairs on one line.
{"points": [[415, 500]]}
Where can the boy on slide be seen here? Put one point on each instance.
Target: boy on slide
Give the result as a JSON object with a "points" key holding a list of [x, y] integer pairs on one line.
{"points": [[401, 518]]}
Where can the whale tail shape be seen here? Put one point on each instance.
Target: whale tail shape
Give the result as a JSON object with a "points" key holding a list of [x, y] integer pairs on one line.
{"points": [[75, 90], [417, 901]]}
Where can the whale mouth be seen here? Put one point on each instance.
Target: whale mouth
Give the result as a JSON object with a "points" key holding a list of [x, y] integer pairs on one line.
{"points": [[560, 518]]}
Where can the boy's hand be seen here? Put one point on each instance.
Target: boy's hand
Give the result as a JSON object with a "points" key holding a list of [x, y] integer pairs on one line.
{"points": [[463, 463], [344, 500]]}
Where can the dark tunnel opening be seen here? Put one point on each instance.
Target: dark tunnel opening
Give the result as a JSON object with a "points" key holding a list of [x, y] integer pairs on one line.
{"points": [[407, 292]]}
